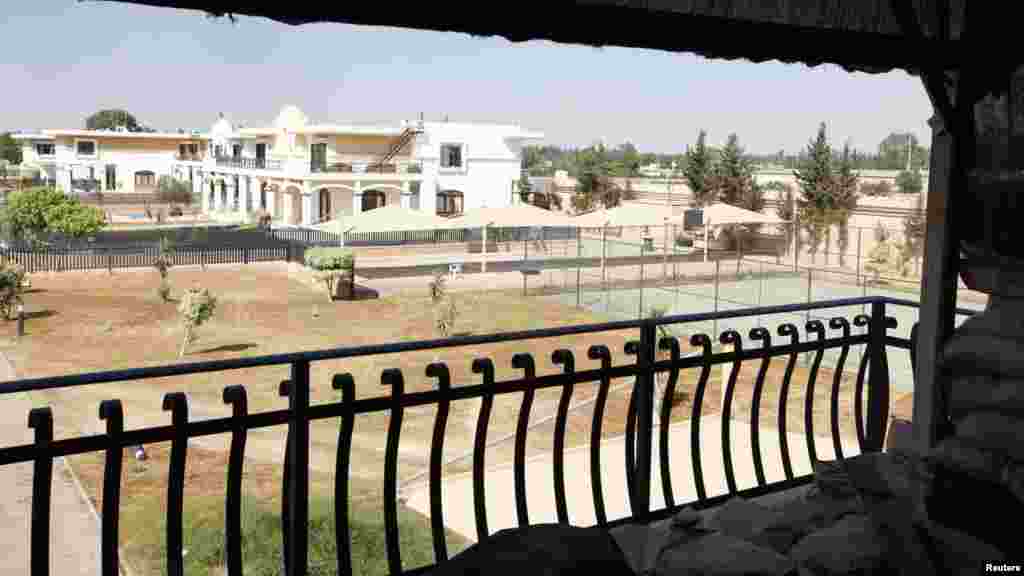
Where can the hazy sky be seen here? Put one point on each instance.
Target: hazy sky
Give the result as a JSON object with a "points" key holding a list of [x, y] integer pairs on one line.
{"points": [[61, 60]]}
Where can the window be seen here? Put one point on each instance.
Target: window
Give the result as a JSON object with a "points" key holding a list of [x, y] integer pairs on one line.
{"points": [[261, 151], [451, 156], [373, 199], [236, 151], [318, 157], [449, 203], [193, 149], [85, 147], [145, 178], [218, 151], [111, 177], [45, 149]]}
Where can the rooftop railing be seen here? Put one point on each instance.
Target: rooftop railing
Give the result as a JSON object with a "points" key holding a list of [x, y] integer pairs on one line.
{"points": [[868, 333], [248, 163]]}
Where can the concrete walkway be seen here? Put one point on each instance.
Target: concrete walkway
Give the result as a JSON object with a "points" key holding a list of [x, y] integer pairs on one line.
{"points": [[457, 492], [74, 528]]}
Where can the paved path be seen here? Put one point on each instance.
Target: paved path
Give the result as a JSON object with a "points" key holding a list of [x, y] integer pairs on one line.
{"points": [[74, 532], [457, 493]]}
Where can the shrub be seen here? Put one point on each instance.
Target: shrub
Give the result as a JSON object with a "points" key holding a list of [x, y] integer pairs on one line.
{"points": [[12, 285], [684, 241], [196, 308], [331, 265], [35, 212], [909, 182], [445, 311], [173, 191], [880, 188]]}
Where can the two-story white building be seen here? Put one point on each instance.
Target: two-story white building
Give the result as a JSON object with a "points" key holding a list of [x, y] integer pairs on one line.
{"points": [[109, 161], [302, 173], [297, 171]]}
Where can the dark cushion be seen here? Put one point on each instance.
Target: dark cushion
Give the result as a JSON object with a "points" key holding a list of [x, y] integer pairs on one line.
{"points": [[541, 550]]}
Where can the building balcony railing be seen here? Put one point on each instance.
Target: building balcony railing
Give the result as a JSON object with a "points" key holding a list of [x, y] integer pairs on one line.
{"points": [[408, 167], [248, 163], [653, 356], [189, 157]]}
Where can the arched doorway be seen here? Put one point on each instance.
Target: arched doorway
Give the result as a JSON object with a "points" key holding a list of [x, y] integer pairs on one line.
{"points": [[325, 204], [293, 205], [450, 203], [374, 199]]}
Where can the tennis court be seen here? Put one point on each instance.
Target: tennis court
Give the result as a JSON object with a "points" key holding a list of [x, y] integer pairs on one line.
{"points": [[759, 284]]}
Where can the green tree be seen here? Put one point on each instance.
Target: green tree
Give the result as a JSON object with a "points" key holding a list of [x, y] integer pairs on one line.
{"points": [[34, 212], [700, 172], [909, 182], [10, 149], [894, 150], [845, 192], [817, 199], [594, 182], [111, 119], [735, 173]]}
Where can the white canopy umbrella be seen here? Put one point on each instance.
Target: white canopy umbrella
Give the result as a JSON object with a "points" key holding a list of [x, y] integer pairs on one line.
{"points": [[516, 216], [387, 219], [626, 215], [721, 214]]}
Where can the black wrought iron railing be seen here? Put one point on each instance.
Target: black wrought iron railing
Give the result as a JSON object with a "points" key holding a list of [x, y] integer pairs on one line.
{"points": [[248, 163], [871, 402]]}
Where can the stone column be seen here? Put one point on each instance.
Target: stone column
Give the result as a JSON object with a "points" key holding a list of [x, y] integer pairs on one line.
{"points": [[310, 205], [357, 199], [65, 179], [286, 205], [243, 194]]}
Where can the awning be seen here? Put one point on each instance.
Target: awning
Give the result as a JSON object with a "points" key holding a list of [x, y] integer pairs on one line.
{"points": [[517, 216], [625, 215], [721, 214], [389, 219]]}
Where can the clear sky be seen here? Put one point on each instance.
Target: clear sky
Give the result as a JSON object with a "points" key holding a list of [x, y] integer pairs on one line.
{"points": [[61, 60]]}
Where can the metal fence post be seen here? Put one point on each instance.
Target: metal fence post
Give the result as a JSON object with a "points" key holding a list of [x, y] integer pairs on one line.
{"points": [[579, 264], [714, 330], [860, 232], [641, 303], [878, 380], [110, 262], [645, 418], [298, 470]]}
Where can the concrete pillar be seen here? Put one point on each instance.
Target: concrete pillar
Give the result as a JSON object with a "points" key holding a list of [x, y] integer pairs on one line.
{"points": [[218, 195], [204, 193], [65, 180], [405, 195], [357, 199], [310, 205], [272, 202], [242, 193], [286, 205]]}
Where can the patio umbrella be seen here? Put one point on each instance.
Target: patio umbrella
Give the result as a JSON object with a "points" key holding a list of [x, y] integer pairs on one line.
{"points": [[387, 219], [626, 215], [516, 216], [721, 214]]}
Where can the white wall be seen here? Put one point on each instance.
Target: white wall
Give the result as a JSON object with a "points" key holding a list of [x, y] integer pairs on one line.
{"points": [[491, 162]]}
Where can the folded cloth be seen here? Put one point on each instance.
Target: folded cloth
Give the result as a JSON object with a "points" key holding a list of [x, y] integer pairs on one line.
{"points": [[999, 354], [643, 544], [850, 546], [754, 523], [540, 550]]}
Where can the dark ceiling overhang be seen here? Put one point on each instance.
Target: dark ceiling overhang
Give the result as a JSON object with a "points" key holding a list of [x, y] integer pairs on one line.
{"points": [[666, 27]]}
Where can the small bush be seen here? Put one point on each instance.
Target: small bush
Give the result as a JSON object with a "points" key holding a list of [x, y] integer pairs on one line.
{"points": [[881, 188], [12, 286], [173, 191], [330, 258], [196, 308]]}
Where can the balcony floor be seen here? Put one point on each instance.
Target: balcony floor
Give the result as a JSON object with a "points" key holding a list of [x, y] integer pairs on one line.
{"points": [[457, 491]]}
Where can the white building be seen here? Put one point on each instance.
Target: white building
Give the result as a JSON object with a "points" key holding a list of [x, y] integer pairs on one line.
{"points": [[297, 171], [81, 161]]}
